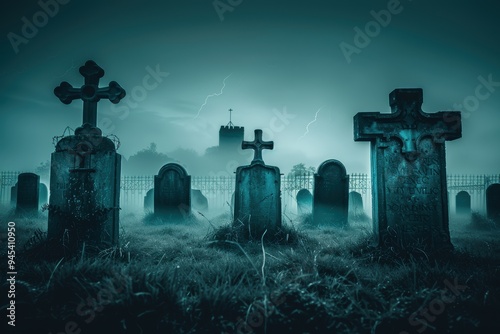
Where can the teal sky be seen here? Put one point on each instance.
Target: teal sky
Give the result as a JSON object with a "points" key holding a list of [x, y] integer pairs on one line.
{"points": [[269, 58]]}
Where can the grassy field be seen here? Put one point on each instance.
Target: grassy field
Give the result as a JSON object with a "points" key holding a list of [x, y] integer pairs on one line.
{"points": [[178, 279]]}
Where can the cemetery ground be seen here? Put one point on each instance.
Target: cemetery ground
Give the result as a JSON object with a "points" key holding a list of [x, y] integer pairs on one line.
{"points": [[176, 278]]}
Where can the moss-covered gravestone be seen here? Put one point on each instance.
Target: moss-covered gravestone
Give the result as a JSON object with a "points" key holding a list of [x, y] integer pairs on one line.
{"points": [[408, 163], [85, 171]]}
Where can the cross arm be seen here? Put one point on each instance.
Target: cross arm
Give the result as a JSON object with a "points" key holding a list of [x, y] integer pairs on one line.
{"points": [[114, 92], [67, 93]]}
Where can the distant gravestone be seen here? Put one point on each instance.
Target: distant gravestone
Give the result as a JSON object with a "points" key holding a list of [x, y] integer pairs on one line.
{"points": [[331, 194], [43, 195], [85, 171], [257, 199], [27, 193], [356, 209], [172, 192], [13, 196], [304, 202], [493, 202], [149, 200], [198, 201], [409, 190], [462, 203]]}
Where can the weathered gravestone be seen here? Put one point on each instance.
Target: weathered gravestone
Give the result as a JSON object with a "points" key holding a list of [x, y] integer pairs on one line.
{"points": [[356, 210], [27, 193], [462, 203], [408, 163], [13, 195], [331, 194], [43, 195], [257, 199], [85, 171], [304, 202], [149, 200], [493, 202], [198, 201], [172, 192]]}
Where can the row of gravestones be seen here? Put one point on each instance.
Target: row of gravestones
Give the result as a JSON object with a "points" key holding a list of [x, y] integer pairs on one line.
{"points": [[409, 191]]}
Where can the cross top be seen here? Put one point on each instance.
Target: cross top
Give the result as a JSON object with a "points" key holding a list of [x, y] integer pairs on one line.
{"points": [[257, 145], [408, 123], [90, 92]]}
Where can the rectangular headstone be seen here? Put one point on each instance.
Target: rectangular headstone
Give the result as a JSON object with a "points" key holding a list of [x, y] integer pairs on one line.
{"points": [[408, 163], [331, 194], [257, 196], [172, 192], [493, 202], [27, 193]]}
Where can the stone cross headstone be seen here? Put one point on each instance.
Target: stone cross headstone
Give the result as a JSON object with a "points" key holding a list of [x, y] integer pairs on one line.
{"points": [[198, 201], [462, 203], [172, 192], [43, 195], [304, 202], [356, 209], [85, 172], [331, 194], [257, 199], [27, 193], [493, 202], [149, 200], [408, 164]]}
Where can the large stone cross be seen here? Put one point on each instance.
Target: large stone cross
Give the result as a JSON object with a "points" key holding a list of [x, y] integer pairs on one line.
{"points": [[257, 145], [408, 123], [90, 92], [408, 167]]}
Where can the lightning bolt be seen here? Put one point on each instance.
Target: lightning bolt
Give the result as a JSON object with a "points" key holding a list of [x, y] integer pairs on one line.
{"points": [[311, 122], [212, 95], [69, 69]]}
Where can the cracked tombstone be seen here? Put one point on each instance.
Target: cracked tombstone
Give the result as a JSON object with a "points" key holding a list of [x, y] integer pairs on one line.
{"points": [[408, 168], [462, 203], [257, 197], [356, 210], [85, 171], [331, 194], [27, 198], [172, 192], [304, 202], [493, 202]]}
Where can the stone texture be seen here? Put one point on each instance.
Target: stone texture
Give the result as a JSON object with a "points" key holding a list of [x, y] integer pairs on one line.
{"points": [[331, 194], [304, 202], [408, 163], [172, 192], [27, 193]]}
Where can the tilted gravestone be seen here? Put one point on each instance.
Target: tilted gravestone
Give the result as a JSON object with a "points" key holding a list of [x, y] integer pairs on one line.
{"points": [[198, 201], [149, 200], [172, 192], [493, 202], [356, 205], [408, 163], [43, 195], [304, 202], [27, 193], [257, 199], [331, 194], [85, 171], [462, 203]]}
